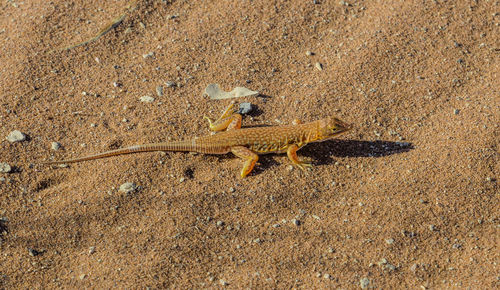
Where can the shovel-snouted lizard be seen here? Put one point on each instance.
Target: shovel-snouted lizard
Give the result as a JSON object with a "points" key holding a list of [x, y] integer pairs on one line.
{"points": [[245, 143]]}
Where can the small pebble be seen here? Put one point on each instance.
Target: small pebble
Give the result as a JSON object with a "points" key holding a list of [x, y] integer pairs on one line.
{"points": [[148, 55], [147, 99], [33, 252], [223, 282], [82, 276], [170, 84], [432, 228], [55, 145], [245, 108], [389, 241], [220, 223], [364, 283], [91, 250], [159, 91], [128, 187], [491, 179], [319, 66], [309, 53], [413, 267], [296, 222], [327, 276], [16, 136], [456, 111], [5, 167]]}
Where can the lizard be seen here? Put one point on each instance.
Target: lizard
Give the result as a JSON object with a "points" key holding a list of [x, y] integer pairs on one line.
{"points": [[246, 143]]}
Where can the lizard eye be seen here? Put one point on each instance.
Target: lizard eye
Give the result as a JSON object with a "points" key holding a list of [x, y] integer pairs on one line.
{"points": [[337, 126]]}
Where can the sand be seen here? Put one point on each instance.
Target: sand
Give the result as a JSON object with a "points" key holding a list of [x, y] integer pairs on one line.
{"points": [[408, 198]]}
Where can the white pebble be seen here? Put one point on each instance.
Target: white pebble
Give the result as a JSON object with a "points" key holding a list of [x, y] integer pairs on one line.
{"points": [[223, 282], [5, 168], [147, 99], [55, 145], [128, 187], [16, 136], [364, 282]]}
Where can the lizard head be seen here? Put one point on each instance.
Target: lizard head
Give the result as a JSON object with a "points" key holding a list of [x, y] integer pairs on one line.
{"points": [[332, 126]]}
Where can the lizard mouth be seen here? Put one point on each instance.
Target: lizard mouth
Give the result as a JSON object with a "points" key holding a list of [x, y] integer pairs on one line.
{"points": [[341, 127]]}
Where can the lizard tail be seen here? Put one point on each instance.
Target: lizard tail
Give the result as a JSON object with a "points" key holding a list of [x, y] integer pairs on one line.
{"points": [[167, 146]]}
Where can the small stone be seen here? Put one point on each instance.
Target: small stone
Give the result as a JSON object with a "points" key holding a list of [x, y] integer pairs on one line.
{"points": [[170, 84], [491, 179], [82, 276], [223, 282], [245, 108], [432, 228], [55, 145], [309, 53], [382, 261], [364, 283], [16, 136], [389, 241], [146, 99], [295, 222], [5, 167], [319, 66], [33, 252], [159, 91], [220, 223], [456, 111], [413, 267], [327, 276], [148, 55], [128, 187], [91, 250]]}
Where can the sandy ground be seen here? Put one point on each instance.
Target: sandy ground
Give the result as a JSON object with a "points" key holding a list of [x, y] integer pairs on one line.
{"points": [[409, 198]]}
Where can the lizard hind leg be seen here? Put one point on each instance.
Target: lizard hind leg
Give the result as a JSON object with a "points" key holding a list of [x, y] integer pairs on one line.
{"points": [[292, 155], [228, 120], [248, 155]]}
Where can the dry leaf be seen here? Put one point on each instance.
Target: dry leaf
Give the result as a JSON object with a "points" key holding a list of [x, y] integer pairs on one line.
{"points": [[215, 92]]}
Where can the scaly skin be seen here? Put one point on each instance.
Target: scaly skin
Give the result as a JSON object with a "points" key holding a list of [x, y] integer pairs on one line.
{"points": [[245, 143]]}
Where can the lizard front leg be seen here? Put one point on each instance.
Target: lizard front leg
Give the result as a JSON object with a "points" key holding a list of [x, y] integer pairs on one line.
{"points": [[292, 155], [248, 155], [229, 120]]}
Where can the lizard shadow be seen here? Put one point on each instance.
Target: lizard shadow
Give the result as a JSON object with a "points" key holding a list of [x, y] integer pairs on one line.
{"points": [[323, 152]]}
